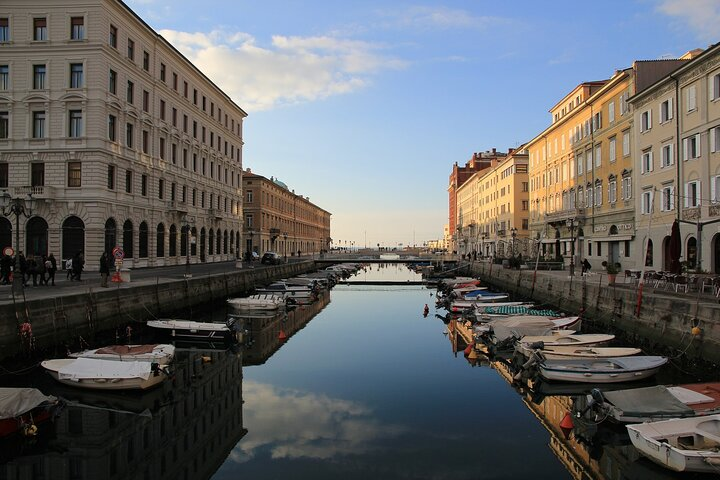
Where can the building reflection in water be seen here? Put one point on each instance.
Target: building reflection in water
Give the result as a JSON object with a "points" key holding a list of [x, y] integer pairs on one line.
{"points": [[184, 429]]}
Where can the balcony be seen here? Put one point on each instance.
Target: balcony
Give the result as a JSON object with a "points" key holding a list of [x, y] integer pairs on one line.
{"points": [[40, 192], [177, 206], [215, 212], [564, 215]]}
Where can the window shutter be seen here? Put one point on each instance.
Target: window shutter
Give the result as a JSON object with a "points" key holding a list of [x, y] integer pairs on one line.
{"points": [[670, 108], [698, 146], [687, 195], [672, 198], [685, 148], [671, 154], [713, 189], [713, 134], [650, 162], [649, 119]]}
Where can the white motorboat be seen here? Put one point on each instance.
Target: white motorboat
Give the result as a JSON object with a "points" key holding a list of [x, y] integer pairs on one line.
{"points": [[605, 370], [264, 301], [460, 305], [529, 343], [99, 374], [161, 354], [568, 352], [681, 444], [196, 331], [297, 292]]}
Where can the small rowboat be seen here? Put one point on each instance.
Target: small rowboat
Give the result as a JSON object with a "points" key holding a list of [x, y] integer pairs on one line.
{"points": [[161, 354], [681, 444], [568, 352], [606, 370], [529, 344], [258, 302], [189, 330], [99, 374]]}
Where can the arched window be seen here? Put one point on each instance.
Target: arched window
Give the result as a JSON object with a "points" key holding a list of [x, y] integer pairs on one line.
{"points": [[73, 237], [184, 240], [203, 249], [143, 240], [173, 241], [36, 236], [128, 239], [225, 242], [232, 241], [5, 233], [219, 238], [160, 241], [110, 235], [193, 241], [211, 237], [649, 254]]}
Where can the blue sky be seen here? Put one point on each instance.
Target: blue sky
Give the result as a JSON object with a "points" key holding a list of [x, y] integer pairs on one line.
{"points": [[364, 105]]}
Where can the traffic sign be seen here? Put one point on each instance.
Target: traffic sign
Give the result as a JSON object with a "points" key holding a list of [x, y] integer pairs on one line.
{"points": [[9, 251], [118, 253]]}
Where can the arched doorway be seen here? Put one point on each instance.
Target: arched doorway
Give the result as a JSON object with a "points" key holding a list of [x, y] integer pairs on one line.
{"points": [[172, 246], [160, 250], [36, 237], [716, 253], [128, 239], [649, 254], [193, 242], [110, 234], [73, 237], [5, 233], [143, 240], [691, 250], [666, 260]]}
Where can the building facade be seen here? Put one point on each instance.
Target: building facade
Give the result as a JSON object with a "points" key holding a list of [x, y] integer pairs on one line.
{"points": [[278, 220], [117, 137], [677, 126]]}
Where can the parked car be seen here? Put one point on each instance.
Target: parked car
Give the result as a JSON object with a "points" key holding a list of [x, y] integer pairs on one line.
{"points": [[271, 258]]}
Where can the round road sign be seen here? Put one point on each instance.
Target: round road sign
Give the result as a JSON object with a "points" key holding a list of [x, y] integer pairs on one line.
{"points": [[8, 251], [118, 253]]}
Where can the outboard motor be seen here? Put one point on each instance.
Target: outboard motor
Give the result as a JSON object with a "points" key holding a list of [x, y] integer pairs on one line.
{"points": [[596, 398]]}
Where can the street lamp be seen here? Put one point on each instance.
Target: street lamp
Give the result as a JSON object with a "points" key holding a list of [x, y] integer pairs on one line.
{"points": [[17, 206], [285, 235], [513, 234], [186, 221], [570, 222]]}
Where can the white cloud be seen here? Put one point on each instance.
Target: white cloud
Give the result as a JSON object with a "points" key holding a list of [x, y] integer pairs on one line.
{"points": [[292, 70], [295, 424], [703, 16], [442, 18]]}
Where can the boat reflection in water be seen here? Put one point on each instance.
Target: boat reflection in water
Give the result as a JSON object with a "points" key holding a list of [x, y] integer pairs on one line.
{"points": [[185, 428]]}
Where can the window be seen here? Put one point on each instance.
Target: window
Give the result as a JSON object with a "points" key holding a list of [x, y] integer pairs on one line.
{"points": [[580, 165], [174, 117], [39, 72], [667, 199], [128, 181], [647, 202], [691, 147], [626, 188], [130, 92], [162, 148], [4, 77], [626, 143], [75, 124], [112, 128], [611, 112], [185, 89], [525, 204], [598, 194], [37, 174], [714, 190], [714, 83], [146, 61], [612, 149], [162, 72], [645, 121], [77, 28], [76, 75], [4, 125], [4, 30], [667, 155], [161, 189], [691, 98], [175, 81], [624, 106], [143, 185], [666, 110], [112, 82], [38, 124], [598, 155], [173, 153], [111, 177], [129, 135], [612, 191], [112, 39], [146, 141], [146, 101], [39, 29], [715, 139], [130, 49], [74, 174], [692, 194], [647, 161]]}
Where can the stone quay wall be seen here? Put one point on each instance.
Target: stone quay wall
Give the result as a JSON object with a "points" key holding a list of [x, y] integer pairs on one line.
{"points": [[58, 320], [664, 326]]}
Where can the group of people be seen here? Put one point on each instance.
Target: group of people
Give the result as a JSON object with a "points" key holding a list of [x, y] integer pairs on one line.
{"points": [[74, 266], [41, 268]]}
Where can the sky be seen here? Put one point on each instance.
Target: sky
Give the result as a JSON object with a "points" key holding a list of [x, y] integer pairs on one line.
{"points": [[365, 105]]}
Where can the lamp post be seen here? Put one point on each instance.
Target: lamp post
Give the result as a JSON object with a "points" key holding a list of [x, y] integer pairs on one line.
{"points": [[285, 235], [513, 234], [570, 222], [186, 221], [17, 206]]}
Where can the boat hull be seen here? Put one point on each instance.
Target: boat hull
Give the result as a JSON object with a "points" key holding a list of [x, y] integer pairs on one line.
{"points": [[194, 331], [55, 367], [610, 370]]}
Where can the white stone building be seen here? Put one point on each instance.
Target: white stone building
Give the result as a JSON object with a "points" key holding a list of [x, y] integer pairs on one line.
{"points": [[118, 137]]}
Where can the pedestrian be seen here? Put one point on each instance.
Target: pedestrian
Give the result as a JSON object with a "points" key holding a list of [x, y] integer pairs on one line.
{"points": [[41, 269], [104, 270], [5, 266], [68, 269], [21, 265], [32, 269], [77, 265], [586, 266], [51, 269]]}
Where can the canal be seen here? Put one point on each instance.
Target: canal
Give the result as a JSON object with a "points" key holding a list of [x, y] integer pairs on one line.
{"points": [[359, 385]]}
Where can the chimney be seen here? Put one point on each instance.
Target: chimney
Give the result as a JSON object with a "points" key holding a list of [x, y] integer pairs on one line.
{"points": [[510, 151], [493, 151]]}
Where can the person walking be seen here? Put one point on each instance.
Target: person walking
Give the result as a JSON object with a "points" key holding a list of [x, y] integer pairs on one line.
{"points": [[5, 265], [51, 269], [21, 265], [32, 269], [77, 266], [41, 269], [104, 269], [68, 269]]}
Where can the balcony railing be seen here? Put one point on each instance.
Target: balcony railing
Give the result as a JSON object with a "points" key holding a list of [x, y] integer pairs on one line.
{"points": [[563, 215], [177, 206], [37, 192], [215, 212]]}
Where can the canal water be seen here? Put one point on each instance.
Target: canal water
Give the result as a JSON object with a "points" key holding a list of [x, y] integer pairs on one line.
{"points": [[359, 385]]}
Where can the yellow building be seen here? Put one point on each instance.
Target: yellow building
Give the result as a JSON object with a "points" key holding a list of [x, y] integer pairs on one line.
{"points": [[493, 206]]}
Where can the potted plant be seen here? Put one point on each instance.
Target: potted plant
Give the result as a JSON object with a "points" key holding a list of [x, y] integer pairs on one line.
{"points": [[612, 269]]}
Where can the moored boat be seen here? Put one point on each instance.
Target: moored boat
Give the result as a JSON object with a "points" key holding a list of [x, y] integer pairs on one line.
{"points": [[196, 331], [682, 444], [21, 409], [528, 344], [606, 370], [158, 353], [560, 352], [259, 302], [105, 374]]}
